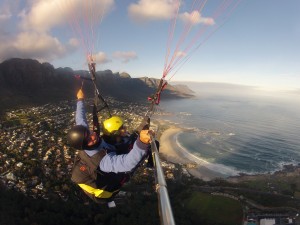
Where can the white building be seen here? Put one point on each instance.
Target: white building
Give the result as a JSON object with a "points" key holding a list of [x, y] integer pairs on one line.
{"points": [[267, 221]]}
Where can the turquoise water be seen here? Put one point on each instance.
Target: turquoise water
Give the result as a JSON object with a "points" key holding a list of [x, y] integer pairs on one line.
{"points": [[239, 131]]}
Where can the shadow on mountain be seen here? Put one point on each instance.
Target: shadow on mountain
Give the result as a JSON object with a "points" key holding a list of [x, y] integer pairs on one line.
{"points": [[26, 82]]}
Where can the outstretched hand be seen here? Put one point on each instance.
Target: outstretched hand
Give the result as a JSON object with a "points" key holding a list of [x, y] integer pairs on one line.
{"points": [[145, 136], [80, 94]]}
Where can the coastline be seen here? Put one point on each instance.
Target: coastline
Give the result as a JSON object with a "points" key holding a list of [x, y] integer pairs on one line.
{"points": [[170, 151]]}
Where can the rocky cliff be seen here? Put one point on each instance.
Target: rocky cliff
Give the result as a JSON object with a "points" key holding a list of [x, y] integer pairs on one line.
{"points": [[26, 81]]}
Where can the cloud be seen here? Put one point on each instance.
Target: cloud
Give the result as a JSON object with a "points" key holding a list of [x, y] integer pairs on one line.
{"points": [[7, 10], [40, 46], [46, 14], [5, 14], [34, 45], [146, 10], [196, 18], [32, 30], [73, 43], [41, 16], [180, 54], [101, 58], [125, 57]]}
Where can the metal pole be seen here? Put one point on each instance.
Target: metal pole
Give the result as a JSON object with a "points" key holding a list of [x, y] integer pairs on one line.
{"points": [[165, 210]]}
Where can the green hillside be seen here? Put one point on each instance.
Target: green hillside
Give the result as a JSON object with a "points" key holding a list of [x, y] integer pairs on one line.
{"points": [[214, 209]]}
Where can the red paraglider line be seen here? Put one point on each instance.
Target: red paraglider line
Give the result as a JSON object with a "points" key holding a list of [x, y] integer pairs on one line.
{"points": [[198, 35], [86, 24], [185, 33], [93, 18], [170, 37], [75, 25], [168, 65], [83, 22], [217, 13], [181, 63], [187, 29], [215, 16], [89, 25]]}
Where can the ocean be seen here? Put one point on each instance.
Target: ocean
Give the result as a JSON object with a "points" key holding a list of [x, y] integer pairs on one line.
{"points": [[238, 129]]}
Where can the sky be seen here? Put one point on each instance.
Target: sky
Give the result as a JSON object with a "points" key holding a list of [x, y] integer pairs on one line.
{"points": [[252, 42]]}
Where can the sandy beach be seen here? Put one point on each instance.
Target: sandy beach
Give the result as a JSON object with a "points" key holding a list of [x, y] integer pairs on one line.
{"points": [[171, 152], [175, 154]]}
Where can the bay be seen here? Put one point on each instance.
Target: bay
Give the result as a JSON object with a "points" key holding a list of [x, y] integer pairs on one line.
{"points": [[238, 129]]}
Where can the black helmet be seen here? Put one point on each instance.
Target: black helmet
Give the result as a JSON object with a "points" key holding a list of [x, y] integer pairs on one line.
{"points": [[78, 137]]}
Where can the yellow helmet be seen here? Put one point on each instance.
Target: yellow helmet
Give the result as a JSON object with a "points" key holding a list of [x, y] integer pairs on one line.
{"points": [[111, 125]]}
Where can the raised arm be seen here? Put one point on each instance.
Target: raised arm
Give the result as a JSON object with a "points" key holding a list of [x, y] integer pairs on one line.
{"points": [[80, 117]]}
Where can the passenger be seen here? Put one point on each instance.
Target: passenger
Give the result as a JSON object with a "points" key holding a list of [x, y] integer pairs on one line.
{"points": [[118, 139]]}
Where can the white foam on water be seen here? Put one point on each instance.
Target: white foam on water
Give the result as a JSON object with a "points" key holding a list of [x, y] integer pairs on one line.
{"points": [[220, 168]]}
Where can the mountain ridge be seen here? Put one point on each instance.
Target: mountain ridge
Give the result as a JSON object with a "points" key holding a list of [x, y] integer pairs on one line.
{"points": [[29, 82]]}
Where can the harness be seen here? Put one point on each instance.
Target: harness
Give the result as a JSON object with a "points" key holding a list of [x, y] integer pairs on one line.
{"points": [[96, 183], [155, 98], [97, 97]]}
